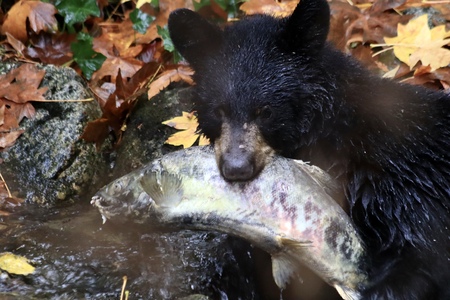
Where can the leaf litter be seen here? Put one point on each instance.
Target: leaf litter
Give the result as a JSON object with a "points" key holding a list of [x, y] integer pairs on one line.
{"points": [[399, 38]]}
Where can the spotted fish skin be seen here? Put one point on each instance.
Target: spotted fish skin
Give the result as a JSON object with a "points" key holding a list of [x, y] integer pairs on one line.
{"points": [[286, 211]]}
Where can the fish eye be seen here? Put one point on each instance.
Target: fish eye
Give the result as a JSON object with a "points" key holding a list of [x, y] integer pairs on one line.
{"points": [[264, 113], [117, 187]]}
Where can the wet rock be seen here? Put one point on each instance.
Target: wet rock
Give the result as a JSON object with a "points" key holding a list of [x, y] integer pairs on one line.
{"points": [[144, 138], [75, 256], [49, 163]]}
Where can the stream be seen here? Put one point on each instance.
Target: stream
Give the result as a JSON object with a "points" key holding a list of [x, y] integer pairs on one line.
{"points": [[77, 257]]}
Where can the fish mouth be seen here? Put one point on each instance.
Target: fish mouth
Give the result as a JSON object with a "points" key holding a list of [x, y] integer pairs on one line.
{"points": [[100, 202]]}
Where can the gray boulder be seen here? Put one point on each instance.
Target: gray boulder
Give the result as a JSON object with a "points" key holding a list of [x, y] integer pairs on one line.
{"points": [[49, 162]]}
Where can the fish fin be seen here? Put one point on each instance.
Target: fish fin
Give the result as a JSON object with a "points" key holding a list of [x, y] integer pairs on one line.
{"points": [[284, 267], [290, 243], [328, 183], [165, 189], [346, 293], [318, 175]]}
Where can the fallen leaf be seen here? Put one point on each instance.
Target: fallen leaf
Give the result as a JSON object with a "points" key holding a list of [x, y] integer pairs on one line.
{"points": [[416, 42], [127, 66], [50, 48], [435, 58], [40, 15], [8, 139], [115, 37], [171, 74], [118, 105], [15, 43], [15, 264], [2, 113], [22, 84], [96, 131], [188, 123], [15, 112], [270, 7]]}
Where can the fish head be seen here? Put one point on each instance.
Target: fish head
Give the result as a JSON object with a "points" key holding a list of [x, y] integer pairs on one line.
{"points": [[123, 199]]}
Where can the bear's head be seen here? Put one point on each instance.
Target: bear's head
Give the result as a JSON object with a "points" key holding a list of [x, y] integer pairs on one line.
{"points": [[260, 85]]}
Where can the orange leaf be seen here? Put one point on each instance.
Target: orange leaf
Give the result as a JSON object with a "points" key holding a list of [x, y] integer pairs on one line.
{"points": [[40, 15], [180, 73], [2, 113], [21, 84], [8, 139], [270, 7]]}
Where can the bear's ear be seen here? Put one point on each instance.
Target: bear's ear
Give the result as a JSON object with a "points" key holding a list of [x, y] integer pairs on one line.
{"points": [[307, 27], [192, 35]]}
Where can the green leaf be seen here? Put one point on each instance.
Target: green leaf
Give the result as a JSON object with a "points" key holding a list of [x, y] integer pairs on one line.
{"points": [[200, 4], [141, 20], [154, 3], [163, 32], [87, 59], [77, 11], [222, 3]]}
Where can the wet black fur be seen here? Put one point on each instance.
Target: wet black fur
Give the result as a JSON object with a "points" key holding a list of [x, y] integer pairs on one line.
{"points": [[388, 143]]}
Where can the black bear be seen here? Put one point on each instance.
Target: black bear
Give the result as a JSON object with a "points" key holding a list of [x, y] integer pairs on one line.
{"points": [[269, 85]]}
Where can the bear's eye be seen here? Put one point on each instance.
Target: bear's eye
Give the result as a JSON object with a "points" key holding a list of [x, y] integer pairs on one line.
{"points": [[264, 112], [219, 113]]}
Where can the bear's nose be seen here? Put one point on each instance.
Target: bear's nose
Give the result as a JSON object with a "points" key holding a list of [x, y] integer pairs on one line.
{"points": [[237, 168]]}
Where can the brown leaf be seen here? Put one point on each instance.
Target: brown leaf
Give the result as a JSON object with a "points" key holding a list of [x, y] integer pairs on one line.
{"points": [[171, 74], [96, 132], [15, 43], [21, 84], [127, 66], [40, 15], [115, 37], [118, 105], [50, 48], [2, 113], [380, 6], [276, 8], [8, 139], [15, 112]]}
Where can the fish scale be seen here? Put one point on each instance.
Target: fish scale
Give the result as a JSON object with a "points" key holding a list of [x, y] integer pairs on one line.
{"points": [[286, 211]]}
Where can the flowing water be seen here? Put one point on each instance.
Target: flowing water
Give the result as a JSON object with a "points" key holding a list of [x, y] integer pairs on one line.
{"points": [[76, 257]]}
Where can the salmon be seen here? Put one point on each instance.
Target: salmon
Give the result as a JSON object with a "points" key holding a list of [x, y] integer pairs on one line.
{"points": [[286, 211]]}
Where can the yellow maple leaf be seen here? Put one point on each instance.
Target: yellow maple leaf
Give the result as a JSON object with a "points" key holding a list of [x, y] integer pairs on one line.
{"points": [[416, 41], [15, 264], [188, 123]]}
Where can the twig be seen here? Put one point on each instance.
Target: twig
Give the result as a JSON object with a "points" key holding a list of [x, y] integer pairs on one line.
{"points": [[69, 100], [125, 278], [154, 76], [435, 1], [382, 51], [6, 186], [114, 11]]}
